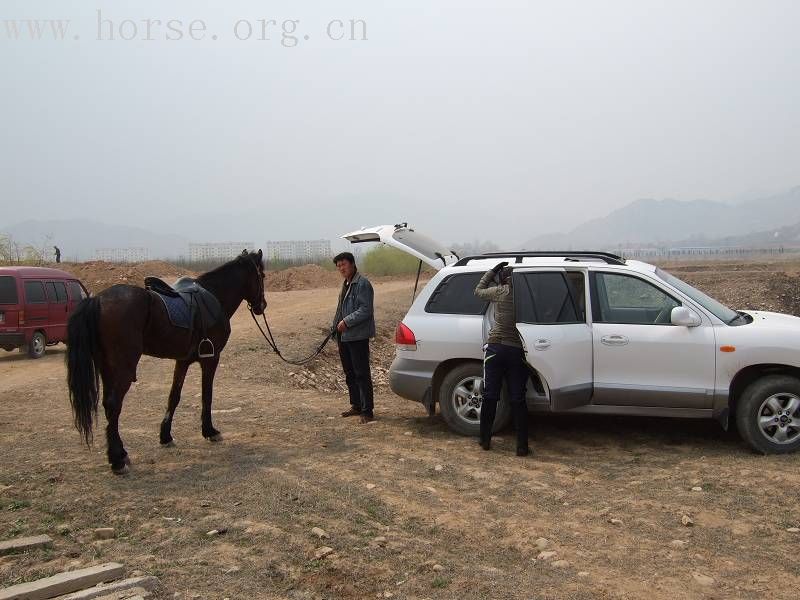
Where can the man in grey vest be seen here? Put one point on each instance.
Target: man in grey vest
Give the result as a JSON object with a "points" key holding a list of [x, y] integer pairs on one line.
{"points": [[353, 326]]}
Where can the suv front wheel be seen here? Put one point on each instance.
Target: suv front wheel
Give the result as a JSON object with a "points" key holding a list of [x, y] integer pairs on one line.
{"points": [[768, 414], [461, 397]]}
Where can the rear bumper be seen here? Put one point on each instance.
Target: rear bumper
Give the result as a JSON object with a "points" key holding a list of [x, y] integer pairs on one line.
{"points": [[12, 339], [411, 379]]}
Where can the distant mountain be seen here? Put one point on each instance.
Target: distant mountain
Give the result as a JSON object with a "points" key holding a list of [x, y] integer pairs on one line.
{"points": [[661, 222], [78, 239], [772, 238]]}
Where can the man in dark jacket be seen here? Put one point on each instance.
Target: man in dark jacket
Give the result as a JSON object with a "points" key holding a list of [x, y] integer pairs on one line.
{"points": [[354, 325], [504, 358]]}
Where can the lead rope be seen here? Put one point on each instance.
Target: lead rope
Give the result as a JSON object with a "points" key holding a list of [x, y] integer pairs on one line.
{"points": [[273, 344]]}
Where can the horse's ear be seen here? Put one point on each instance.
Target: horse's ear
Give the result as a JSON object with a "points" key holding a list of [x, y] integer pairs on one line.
{"points": [[244, 252], [260, 254]]}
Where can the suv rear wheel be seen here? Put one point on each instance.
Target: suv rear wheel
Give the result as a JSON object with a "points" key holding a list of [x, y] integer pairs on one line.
{"points": [[768, 414], [460, 399], [37, 346]]}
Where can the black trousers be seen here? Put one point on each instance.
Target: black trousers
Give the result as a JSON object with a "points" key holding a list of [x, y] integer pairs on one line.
{"points": [[355, 363], [505, 362]]}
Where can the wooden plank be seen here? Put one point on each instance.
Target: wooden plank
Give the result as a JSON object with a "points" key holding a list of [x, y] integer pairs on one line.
{"points": [[146, 583], [26, 543], [63, 583]]}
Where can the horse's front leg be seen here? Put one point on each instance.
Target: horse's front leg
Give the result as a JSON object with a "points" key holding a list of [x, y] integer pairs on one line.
{"points": [[178, 377], [209, 367]]}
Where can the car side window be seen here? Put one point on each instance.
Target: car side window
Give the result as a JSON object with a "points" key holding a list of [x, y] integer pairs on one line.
{"points": [[76, 291], [629, 300], [455, 295], [545, 299], [56, 292], [34, 293], [61, 292]]}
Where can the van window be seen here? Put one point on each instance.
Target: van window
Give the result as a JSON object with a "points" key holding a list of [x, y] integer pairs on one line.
{"points": [[544, 299], [8, 290], [34, 293], [56, 292], [456, 296], [76, 292]]}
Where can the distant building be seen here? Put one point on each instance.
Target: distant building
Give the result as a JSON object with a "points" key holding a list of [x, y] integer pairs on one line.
{"points": [[127, 255], [218, 251], [298, 250]]}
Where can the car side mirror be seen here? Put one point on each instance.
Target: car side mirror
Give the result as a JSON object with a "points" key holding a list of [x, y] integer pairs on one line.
{"points": [[685, 317]]}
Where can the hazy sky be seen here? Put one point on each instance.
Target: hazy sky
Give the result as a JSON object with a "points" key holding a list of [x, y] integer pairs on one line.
{"points": [[493, 120]]}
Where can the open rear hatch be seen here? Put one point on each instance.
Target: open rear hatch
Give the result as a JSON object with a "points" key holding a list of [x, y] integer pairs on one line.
{"points": [[408, 240]]}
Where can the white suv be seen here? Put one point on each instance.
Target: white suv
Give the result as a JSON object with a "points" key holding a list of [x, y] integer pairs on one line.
{"points": [[602, 335]]}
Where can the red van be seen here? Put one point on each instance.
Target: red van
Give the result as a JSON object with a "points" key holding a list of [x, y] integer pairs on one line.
{"points": [[35, 304]]}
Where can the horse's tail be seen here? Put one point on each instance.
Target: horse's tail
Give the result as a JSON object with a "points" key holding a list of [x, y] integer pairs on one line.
{"points": [[83, 347]]}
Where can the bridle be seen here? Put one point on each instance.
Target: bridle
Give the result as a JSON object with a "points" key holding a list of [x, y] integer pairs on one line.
{"points": [[260, 279]]}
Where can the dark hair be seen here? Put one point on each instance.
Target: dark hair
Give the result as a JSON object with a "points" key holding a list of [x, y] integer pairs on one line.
{"points": [[348, 256]]}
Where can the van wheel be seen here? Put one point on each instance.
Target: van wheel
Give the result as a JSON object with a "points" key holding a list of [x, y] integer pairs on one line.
{"points": [[768, 415], [37, 345], [460, 399]]}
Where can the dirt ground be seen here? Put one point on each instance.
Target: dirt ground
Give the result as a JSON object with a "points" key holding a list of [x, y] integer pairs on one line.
{"points": [[411, 509]]}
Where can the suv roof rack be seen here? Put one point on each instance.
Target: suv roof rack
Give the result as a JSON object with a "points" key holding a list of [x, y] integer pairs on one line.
{"points": [[569, 255]]}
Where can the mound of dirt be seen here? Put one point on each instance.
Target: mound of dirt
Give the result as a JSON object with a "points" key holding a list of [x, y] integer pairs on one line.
{"points": [[98, 275], [306, 277]]}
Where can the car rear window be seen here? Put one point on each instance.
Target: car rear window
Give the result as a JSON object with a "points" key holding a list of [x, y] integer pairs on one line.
{"points": [[34, 293], [8, 290], [456, 296]]}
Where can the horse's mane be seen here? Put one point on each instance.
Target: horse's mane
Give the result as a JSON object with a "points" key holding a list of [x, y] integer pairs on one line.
{"points": [[221, 271]]}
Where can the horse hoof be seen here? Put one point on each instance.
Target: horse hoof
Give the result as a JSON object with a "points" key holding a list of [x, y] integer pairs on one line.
{"points": [[217, 437], [169, 444], [123, 470], [126, 460]]}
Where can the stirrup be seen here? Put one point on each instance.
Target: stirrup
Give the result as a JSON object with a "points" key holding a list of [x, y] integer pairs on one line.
{"points": [[207, 354]]}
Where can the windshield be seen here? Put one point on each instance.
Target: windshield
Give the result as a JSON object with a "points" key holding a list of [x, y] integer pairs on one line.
{"points": [[719, 310]]}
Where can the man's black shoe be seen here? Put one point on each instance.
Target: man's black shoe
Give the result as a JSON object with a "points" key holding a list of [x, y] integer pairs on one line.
{"points": [[351, 413], [367, 418]]}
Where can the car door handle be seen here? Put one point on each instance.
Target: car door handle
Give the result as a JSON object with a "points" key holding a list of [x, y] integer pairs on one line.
{"points": [[614, 340], [542, 344]]}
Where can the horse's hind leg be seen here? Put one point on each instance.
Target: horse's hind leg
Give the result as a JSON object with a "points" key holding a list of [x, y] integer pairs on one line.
{"points": [[209, 367], [114, 390], [181, 366]]}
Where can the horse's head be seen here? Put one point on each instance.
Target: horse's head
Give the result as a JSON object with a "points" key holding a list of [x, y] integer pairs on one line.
{"points": [[254, 293]]}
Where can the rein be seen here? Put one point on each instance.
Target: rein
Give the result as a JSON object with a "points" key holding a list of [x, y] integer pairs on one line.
{"points": [[270, 339], [274, 345]]}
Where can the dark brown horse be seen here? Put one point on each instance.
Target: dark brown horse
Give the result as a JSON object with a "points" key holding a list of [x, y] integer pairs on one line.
{"points": [[108, 333]]}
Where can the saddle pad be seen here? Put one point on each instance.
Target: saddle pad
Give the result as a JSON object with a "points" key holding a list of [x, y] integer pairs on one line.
{"points": [[180, 315]]}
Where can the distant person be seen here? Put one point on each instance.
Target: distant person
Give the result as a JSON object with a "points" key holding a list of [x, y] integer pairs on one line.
{"points": [[503, 358], [353, 326], [58, 254]]}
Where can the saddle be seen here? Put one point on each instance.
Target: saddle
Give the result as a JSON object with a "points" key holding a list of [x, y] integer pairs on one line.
{"points": [[189, 305]]}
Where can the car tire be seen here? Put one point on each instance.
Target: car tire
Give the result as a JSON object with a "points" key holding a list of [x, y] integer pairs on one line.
{"points": [[37, 345], [768, 414], [462, 414]]}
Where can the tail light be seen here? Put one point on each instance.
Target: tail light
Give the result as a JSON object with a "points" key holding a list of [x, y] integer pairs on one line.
{"points": [[404, 337], [22, 317]]}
